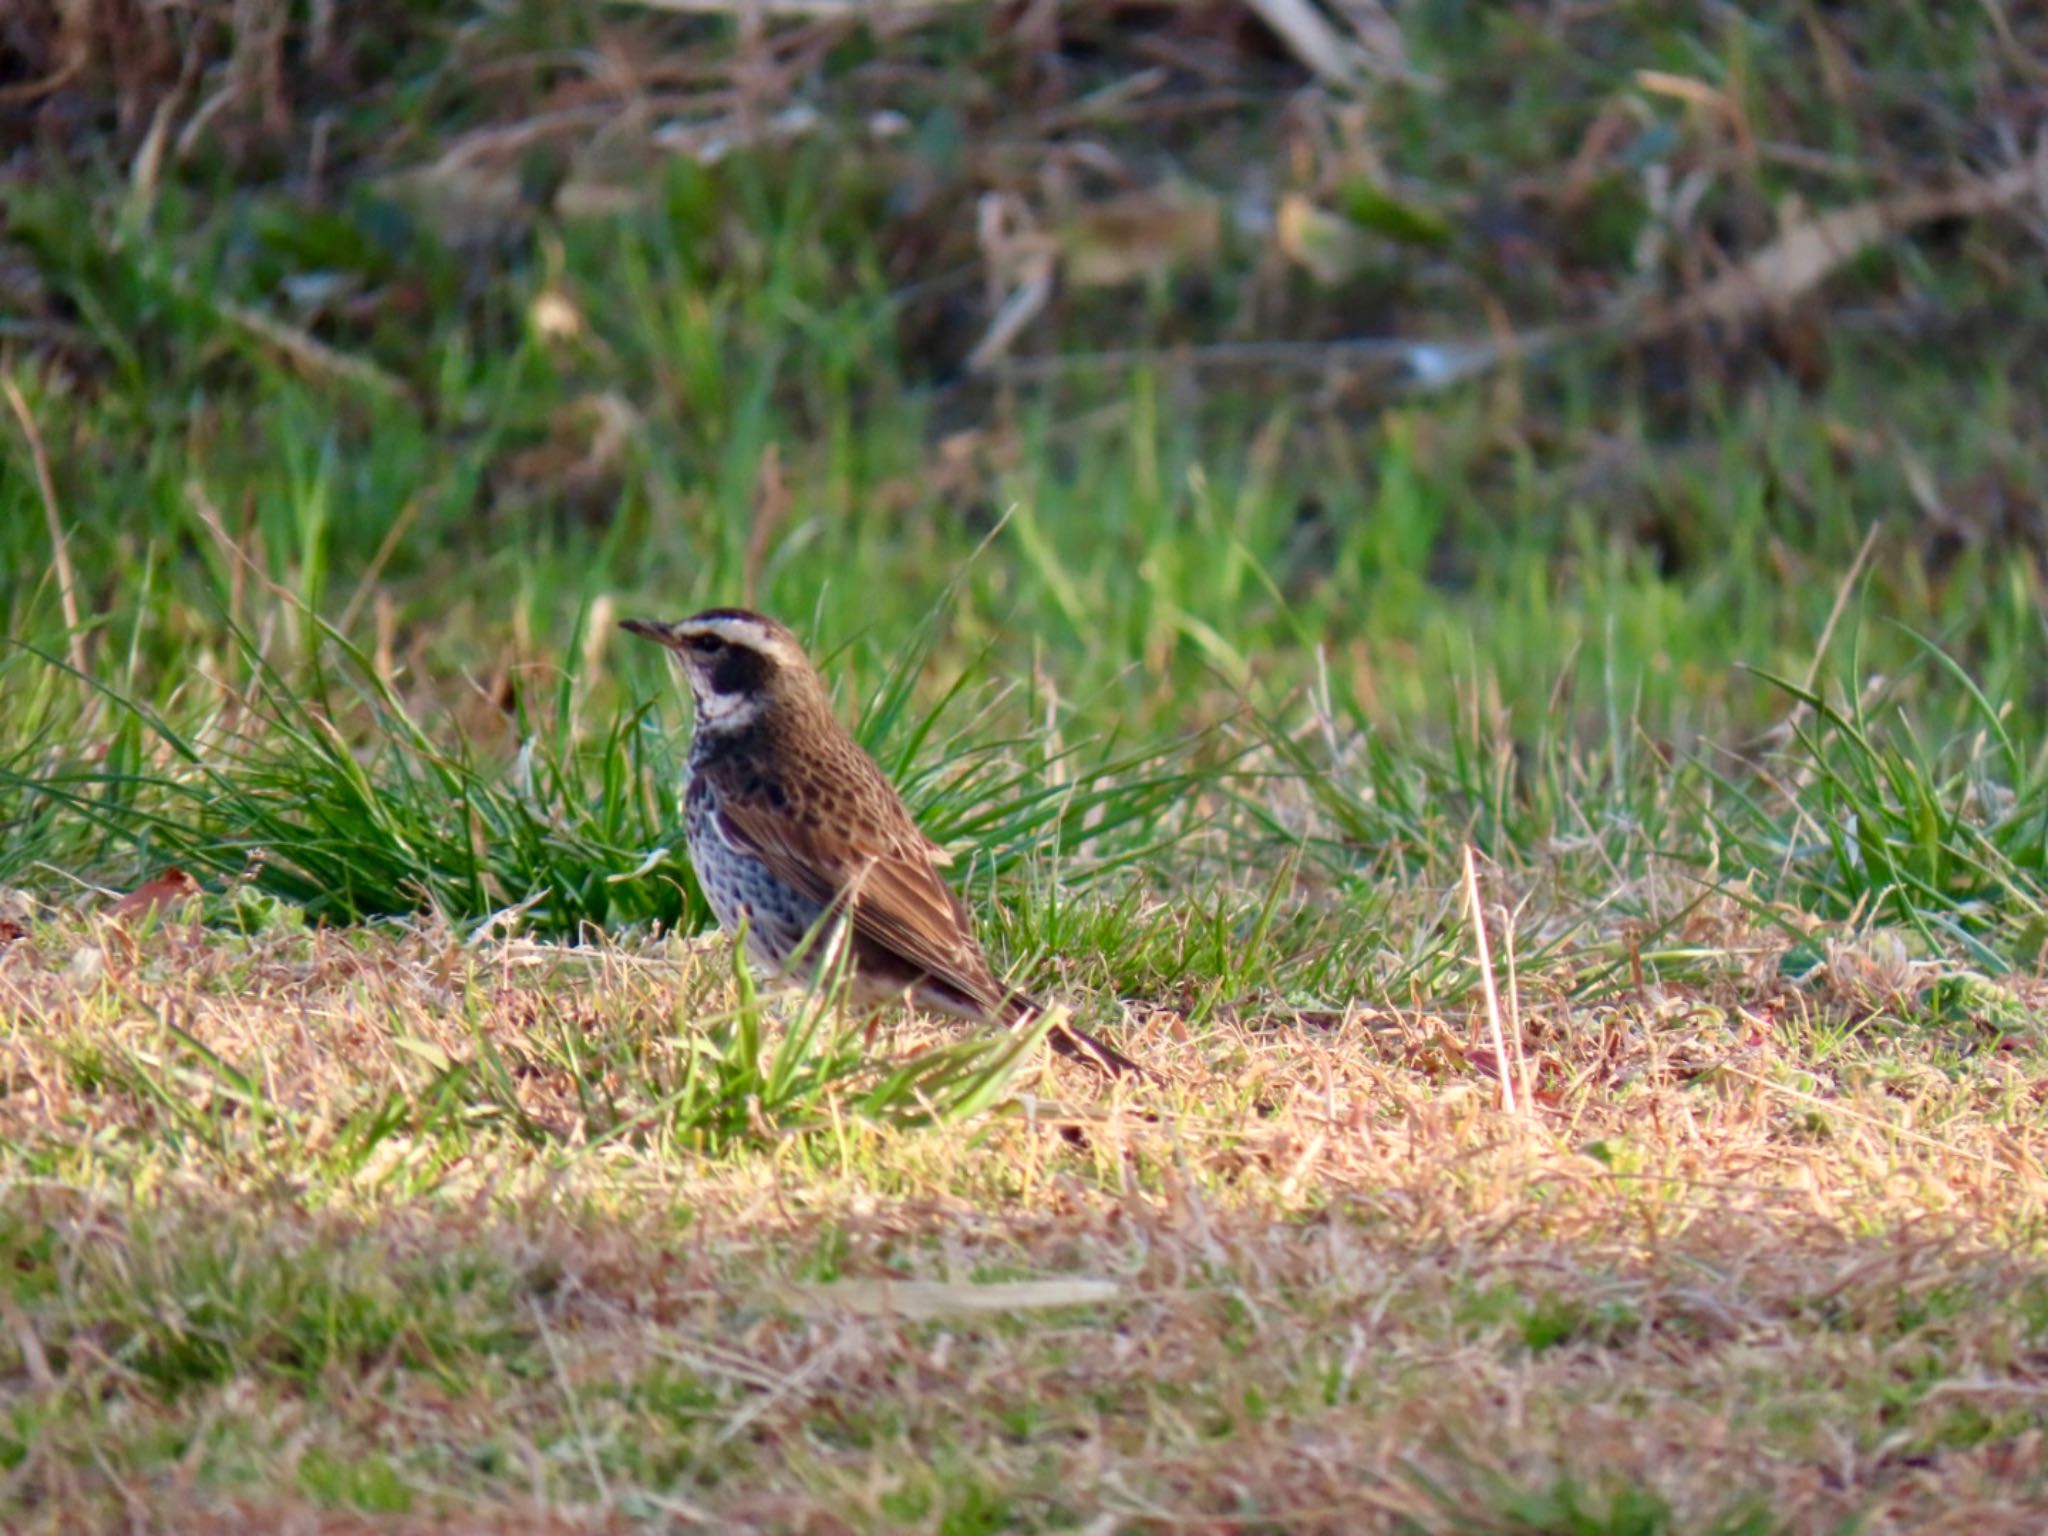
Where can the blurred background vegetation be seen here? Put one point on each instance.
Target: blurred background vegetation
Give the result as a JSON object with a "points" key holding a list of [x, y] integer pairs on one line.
{"points": [[1605, 433]]}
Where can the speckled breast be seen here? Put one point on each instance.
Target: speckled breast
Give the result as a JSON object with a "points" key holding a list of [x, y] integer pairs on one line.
{"points": [[741, 888]]}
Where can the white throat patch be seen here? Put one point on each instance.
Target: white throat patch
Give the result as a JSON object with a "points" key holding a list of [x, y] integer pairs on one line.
{"points": [[726, 710]]}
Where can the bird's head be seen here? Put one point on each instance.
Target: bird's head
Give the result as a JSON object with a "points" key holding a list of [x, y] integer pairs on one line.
{"points": [[739, 665]]}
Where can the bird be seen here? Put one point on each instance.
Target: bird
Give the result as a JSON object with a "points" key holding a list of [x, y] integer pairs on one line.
{"points": [[788, 821]]}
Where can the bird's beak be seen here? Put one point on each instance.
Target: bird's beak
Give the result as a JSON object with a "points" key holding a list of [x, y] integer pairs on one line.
{"points": [[649, 629]]}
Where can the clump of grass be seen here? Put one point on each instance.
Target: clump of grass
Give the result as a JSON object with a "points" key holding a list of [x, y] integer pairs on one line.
{"points": [[327, 791], [1863, 818], [693, 1067], [330, 793]]}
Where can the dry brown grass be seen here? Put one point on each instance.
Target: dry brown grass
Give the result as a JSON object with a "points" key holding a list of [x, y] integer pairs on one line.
{"points": [[1714, 1271]]}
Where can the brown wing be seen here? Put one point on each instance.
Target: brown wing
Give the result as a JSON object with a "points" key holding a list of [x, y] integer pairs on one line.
{"points": [[855, 836]]}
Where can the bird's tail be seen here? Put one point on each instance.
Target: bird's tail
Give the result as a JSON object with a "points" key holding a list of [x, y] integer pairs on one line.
{"points": [[1074, 1044]]}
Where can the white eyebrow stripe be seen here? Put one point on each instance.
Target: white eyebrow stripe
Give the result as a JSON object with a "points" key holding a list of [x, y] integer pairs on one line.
{"points": [[729, 628], [748, 632]]}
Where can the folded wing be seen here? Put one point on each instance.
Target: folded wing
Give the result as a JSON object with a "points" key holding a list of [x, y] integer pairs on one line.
{"points": [[883, 866]]}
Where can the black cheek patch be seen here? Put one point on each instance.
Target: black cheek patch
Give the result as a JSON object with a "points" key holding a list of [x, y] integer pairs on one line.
{"points": [[739, 670]]}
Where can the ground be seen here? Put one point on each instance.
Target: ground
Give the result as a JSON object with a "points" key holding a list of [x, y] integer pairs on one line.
{"points": [[1717, 1277], [1479, 611]]}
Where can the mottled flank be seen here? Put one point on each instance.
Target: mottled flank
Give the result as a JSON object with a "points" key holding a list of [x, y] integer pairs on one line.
{"points": [[741, 889]]}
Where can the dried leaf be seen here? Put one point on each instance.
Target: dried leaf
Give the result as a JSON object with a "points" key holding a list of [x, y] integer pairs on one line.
{"points": [[1140, 235], [1327, 245], [897, 12], [938, 1298], [555, 317], [1314, 41], [578, 467], [88, 963], [169, 890], [1483, 1060], [466, 202], [17, 911], [1711, 99], [1018, 310], [1811, 251]]}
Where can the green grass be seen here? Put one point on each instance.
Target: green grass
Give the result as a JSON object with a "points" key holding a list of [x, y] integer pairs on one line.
{"points": [[435, 1161]]}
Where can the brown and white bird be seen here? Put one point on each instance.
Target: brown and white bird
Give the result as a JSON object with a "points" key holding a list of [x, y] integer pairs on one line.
{"points": [[788, 820]]}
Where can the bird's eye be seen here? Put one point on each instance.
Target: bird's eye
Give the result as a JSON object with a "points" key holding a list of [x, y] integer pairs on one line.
{"points": [[706, 645]]}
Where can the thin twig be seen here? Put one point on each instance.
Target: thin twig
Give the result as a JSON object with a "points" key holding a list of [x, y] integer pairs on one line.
{"points": [[1840, 1107], [1486, 982], [1781, 733], [375, 568], [1510, 919], [771, 511], [311, 354], [571, 1401], [1032, 293], [67, 585], [1313, 41], [1427, 364], [1848, 585], [34, 1362]]}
